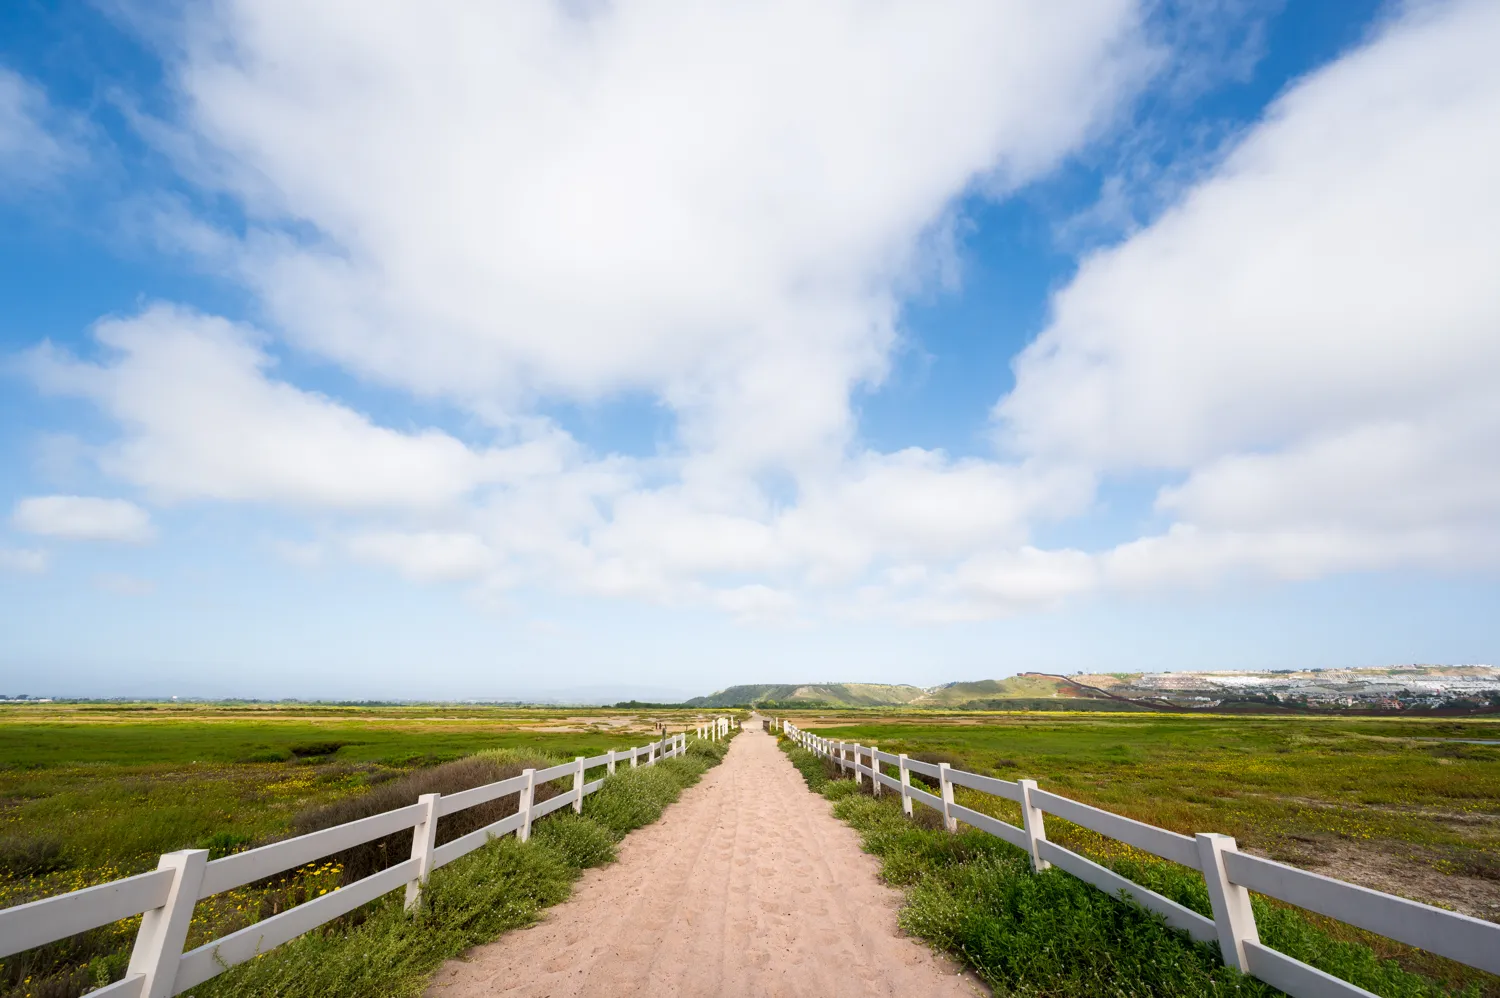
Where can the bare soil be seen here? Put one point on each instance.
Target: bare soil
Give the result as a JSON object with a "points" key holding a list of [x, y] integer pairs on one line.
{"points": [[1408, 871]]}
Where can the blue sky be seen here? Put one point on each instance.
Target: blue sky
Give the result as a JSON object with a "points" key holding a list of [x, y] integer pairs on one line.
{"points": [[381, 351]]}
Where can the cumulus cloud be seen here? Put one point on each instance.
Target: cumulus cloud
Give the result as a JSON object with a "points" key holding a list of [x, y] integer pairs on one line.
{"points": [[83, 518], [722, 208], [504, 206], [202, 419], [715, 205], [1311, 339]]}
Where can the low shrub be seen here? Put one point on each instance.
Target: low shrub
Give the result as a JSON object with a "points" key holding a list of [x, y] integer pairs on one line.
{"points": [[703, 748], [637, 797], [221, 844], [312, 750], [31, 855], [449, 778], [582, 841], [817, 771]]}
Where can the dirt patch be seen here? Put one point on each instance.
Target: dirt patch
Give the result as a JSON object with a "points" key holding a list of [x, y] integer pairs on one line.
{"points": [[1416, 872]]}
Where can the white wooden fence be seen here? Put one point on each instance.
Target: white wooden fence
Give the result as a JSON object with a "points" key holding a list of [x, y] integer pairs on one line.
{"points": [[718, 728], [1229, 873], [165, 897]]}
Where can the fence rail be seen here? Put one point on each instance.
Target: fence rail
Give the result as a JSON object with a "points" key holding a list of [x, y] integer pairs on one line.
{"points": [[1229, 874], [166, 897]]}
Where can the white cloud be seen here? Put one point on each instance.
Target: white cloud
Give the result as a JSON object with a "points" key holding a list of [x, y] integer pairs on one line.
{"points": [[31, 561], [715, 205], [83, 518], [1312, 337], [428, 556], [722, 208], [201, 419], [34, 144]]}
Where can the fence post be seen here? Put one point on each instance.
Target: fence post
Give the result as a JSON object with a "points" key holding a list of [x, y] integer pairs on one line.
{"points": [[949, 822], [163, 931], [859, 778], [611, 762], [635, 758], [423, 839], [1034, 825], [523, 804], [905, 784], [578, 785], [875, 769], [1233, 916]]}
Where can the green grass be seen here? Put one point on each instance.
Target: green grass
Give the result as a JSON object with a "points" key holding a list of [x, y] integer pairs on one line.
{"points": [[99, 793], [90, 795], [35, 736], [1051, 934], [1278, 784], [502, 886]]}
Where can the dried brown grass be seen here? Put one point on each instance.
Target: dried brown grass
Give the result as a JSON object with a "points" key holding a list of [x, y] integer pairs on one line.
{"points": [[449, 778]]}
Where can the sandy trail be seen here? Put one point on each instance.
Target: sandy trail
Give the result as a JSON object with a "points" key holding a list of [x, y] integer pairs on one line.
{"points": [[747, 884]]}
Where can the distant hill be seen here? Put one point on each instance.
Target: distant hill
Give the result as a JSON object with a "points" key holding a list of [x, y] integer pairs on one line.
{"points": [[1026, 686], [1452, 689], [814, 694]]}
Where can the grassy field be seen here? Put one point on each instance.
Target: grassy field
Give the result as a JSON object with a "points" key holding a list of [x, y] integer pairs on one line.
{"points": [[92, 793], [1050, 935], [1405, 806]]}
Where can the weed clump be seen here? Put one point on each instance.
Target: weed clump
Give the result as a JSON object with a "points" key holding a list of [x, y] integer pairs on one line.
{"points": [[583, 842], [636, 797]]}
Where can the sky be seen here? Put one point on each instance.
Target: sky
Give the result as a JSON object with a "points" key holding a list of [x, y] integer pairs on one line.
{"points": [[606, 349]]}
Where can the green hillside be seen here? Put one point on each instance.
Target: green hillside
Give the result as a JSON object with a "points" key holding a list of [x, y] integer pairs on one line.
{"points": [[821, 694], [1022, 687]]}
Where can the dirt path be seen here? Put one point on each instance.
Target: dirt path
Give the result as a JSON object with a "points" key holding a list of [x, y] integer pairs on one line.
{"points": [[747, 885]]}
